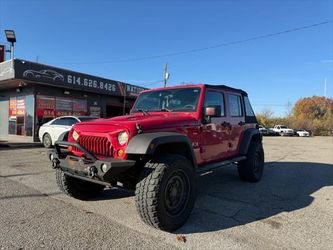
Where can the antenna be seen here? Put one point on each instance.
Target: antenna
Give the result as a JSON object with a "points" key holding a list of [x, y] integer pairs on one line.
{"points": [[325, 87]]}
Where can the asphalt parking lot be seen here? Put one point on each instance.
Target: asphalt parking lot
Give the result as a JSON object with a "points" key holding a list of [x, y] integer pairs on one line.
{"points": [[292, 207]]}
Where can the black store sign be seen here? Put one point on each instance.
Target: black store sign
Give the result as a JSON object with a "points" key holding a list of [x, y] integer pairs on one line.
{"points": [[70, 79]]}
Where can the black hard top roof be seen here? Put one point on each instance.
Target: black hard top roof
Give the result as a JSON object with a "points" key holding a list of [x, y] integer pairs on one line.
{"points": [[195, 85], [225, 87]]}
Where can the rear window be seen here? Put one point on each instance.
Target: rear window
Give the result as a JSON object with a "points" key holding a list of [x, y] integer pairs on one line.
{"points": [[248, 108]]}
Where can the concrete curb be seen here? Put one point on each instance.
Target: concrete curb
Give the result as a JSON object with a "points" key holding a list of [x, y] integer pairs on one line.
{"points": [[8, 145]]}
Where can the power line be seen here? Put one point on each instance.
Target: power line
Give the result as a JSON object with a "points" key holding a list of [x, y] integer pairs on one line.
{"points": [[142, 81], [152, 83], [204, 48]]}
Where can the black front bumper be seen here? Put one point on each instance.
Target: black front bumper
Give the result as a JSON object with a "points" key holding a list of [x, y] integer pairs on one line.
{"points": [[87, 168]]}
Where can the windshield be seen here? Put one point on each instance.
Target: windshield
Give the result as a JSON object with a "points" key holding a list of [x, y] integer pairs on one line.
{"points": [[171, 100]]}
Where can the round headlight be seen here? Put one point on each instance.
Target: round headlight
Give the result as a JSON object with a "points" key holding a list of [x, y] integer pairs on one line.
{"points": [[122, 138], [75, 135]]}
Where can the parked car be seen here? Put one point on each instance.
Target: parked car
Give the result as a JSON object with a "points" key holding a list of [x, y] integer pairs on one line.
{"points": [[263, 130], [160, 147], [302, 132], [49, 132], [283, 130], [271, 132]]}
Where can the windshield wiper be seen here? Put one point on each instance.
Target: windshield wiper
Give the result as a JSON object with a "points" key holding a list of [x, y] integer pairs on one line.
{"points": [[142, 111], [165, 109]]}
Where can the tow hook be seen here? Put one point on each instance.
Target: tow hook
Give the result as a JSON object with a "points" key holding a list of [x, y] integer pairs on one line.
{"points": [[55, 163], [92, 171]]}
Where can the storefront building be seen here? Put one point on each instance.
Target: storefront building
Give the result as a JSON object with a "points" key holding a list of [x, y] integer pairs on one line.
{"points": [[32, 94]]}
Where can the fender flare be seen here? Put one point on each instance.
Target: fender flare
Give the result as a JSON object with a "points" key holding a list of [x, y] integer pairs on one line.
{"points": [[247, 138], [147, 143]]}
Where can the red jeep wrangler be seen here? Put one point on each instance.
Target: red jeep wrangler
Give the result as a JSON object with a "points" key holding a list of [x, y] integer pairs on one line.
{"points": [[170, 135]]}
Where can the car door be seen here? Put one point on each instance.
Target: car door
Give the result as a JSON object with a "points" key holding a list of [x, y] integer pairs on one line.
{"points": [[215, 130], [237, 121]]}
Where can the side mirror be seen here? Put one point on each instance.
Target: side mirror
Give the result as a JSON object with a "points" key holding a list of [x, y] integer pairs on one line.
{"points": [[213, 111]]}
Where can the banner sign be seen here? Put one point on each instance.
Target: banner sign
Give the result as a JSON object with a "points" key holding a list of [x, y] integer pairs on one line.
{"points": [[45, 102], [6, 70], [16, 107], [58, 77], [49, 106]]}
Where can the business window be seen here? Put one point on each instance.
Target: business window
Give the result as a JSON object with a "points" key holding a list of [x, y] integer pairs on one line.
{"points": [[20, 115]]}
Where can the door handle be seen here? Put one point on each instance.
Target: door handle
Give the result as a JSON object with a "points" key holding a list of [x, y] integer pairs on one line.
{"points": [[226, 124], [241, 123]]}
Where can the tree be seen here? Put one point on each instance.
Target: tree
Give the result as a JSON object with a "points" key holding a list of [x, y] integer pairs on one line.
{"points": [[265, 117], [314, 113], [313, 108]]}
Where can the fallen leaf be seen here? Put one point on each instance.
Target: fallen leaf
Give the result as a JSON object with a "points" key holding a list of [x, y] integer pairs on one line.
{"points": [[181, 238]]}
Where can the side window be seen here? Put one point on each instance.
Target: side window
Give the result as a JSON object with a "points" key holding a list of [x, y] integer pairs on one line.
{"points": [[235, 105], [65, 121], [248, 108], [70, 121], [215, 98], [57, 122]]}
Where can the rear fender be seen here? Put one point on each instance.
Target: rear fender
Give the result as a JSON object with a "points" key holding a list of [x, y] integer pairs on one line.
{"points": [[249, 135]]}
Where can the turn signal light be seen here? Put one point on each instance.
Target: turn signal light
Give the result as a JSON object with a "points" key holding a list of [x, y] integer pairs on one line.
{"points": [[120, 153]]}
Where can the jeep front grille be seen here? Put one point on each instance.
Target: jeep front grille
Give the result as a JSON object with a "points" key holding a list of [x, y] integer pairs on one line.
{"points": [[96, 145]]}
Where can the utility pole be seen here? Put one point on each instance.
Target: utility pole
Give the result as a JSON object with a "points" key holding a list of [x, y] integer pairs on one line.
{"points": [[166, 75], [325, 87]]}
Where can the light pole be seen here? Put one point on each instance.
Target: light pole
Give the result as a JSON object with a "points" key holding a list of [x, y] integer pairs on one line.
{"points": [[11, 38]]}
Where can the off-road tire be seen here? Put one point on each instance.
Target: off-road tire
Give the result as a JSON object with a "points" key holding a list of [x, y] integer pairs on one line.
{"points": [[47, 141], [77, 188], [252, 168], [166, 180]]}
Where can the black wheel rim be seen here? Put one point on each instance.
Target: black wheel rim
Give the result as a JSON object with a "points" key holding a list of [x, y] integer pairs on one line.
{"points": [[176, 194]]}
